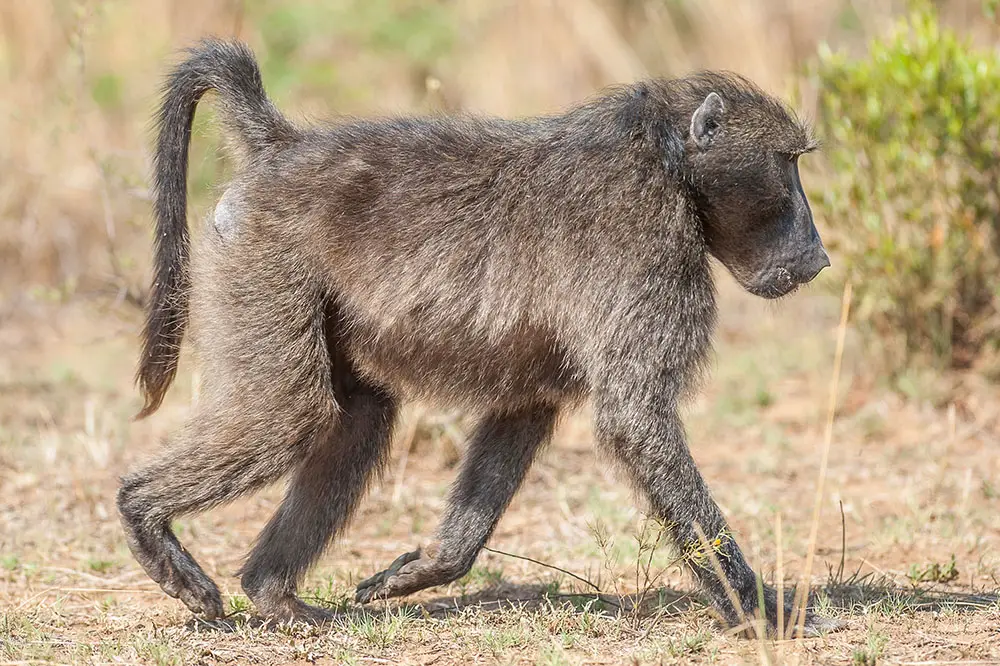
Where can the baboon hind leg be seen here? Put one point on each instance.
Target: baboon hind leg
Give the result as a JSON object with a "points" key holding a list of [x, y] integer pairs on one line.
{"points": [[500, 452], [267, 403], [188, 479], [323, 494]]}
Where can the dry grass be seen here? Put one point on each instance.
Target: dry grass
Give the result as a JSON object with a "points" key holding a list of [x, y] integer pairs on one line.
{"points": [[906, 547], [917, 487]]}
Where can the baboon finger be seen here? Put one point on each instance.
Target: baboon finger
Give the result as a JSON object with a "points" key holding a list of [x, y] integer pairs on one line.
{"points": [[370, 587], [412, 576]]}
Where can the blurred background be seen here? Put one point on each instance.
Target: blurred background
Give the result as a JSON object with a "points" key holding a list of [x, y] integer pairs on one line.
{"points": [[80, 80], [905, 96]]}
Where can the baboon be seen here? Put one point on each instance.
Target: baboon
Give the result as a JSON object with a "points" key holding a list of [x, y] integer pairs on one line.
{"points": [[514, 268]]}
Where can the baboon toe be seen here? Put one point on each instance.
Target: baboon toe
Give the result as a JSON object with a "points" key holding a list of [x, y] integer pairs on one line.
{"points": [[198, 593], [379, 586], [186, 581], [290, 609]]}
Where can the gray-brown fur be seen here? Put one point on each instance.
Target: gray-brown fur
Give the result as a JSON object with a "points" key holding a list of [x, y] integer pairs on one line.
{"points": [[514, 267]]}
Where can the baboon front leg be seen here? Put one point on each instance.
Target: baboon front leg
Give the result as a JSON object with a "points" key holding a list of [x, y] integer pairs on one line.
{"points": [[646, 435], [320, 500], [499, 454]]}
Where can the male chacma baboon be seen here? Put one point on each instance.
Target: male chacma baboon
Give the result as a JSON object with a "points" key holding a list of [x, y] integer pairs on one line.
{"points": [[512, 267]]}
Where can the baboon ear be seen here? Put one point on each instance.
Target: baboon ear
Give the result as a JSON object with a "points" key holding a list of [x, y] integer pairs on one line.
{"points": [[706, 120]]}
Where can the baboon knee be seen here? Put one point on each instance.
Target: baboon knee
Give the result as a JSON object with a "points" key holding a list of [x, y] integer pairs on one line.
{"points": [[132, 506]]}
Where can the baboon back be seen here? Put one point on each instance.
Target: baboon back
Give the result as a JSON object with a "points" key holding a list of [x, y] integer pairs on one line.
{"points": [[473, 258]]}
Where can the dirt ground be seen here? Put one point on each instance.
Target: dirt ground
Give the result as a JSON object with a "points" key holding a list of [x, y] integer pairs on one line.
{"points": [[908, 549]]}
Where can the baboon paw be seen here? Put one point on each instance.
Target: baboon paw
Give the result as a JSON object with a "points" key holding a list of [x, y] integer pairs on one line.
{"points": [[749, 624], [381, 585], [290, 609], [816, 626], [197, 591], [812, 626]]}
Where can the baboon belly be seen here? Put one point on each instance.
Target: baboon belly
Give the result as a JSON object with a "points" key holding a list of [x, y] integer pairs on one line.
{"points": [[521, 368]]}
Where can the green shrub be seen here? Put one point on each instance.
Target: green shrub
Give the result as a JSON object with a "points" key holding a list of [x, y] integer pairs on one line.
{"points": [[912, 205]]}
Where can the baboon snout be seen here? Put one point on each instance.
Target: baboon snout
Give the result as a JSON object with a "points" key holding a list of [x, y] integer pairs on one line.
{"points": [[817, 261]]}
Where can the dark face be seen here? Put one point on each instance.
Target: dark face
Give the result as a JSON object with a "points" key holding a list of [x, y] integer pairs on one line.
{"points": [[757, 218]]}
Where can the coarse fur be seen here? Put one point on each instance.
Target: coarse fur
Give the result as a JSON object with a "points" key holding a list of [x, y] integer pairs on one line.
{"points": [[512, 267]]}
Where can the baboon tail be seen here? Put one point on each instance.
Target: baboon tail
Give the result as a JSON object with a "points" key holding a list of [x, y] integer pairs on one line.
{"points": [[230, 69]]}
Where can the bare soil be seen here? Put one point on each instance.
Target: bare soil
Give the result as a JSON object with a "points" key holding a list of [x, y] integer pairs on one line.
{"points": [[909, 536]]}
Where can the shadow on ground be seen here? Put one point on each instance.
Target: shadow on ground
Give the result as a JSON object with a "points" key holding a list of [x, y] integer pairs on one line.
{"points": [[857, 597], [665, 601], [867, 595], [506, 596]]}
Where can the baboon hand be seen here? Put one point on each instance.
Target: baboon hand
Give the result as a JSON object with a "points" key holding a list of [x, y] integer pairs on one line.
{"points": [[410, 573], [813, 625], [375, 587]]}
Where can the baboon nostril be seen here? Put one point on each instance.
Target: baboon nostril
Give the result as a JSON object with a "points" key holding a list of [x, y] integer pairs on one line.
{"points": [[824, 260], [812, 268], [818, 268]]}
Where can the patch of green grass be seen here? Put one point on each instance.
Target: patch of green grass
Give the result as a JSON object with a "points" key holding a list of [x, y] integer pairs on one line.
{"points": [[588, 604], [19, 630], [345, 657], [379, 630], [480, 577], [553, 654], [83, 652], [934, 572], [499, 640], [329, 595], [10, 562], [99, 565], [871, 652], [688, 644], [893, 604], [683, 646], [154, 650], [239, 604], [107, 91], [763, 397], [824, 604], [552, 587]]}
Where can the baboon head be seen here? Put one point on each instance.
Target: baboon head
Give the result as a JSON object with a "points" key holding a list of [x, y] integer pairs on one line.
{"points": [[743, 152]]}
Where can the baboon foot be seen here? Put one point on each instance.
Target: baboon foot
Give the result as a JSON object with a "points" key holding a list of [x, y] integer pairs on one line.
{"points": [[290, 609], [198, 592], [157, 550], [180, 577], [813, 625], [409, 573]]}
